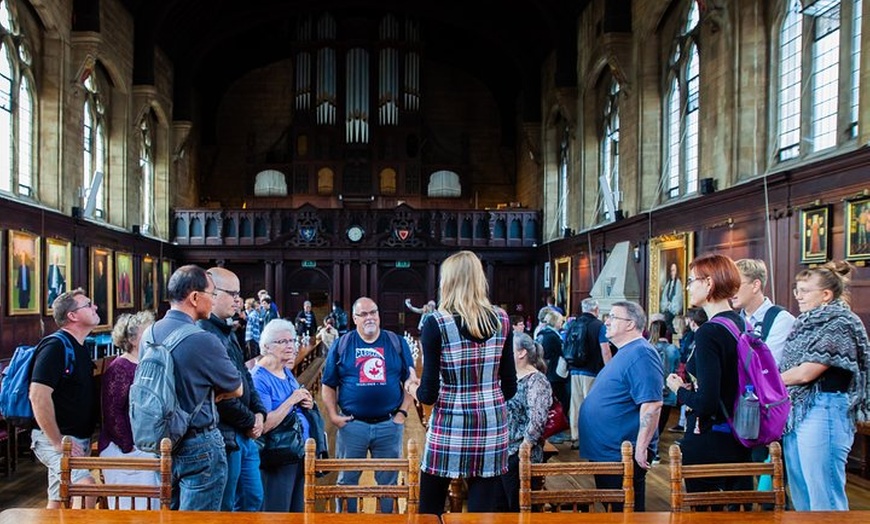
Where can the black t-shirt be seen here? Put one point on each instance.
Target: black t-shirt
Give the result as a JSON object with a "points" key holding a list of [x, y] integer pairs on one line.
{"points": [[73, 394], [714, 365]]}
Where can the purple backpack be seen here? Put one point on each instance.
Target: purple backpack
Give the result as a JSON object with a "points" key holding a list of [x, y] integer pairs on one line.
{"points": [[757, 367]]}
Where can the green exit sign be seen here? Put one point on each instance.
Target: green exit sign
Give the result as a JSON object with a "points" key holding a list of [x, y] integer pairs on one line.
{"points": [[403, 263], [309, 263]]}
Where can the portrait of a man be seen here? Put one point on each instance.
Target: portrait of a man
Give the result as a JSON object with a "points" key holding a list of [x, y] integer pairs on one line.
{"points": [[124, 272], [101, 282], [57, 256], [149, 275], [24, 285]]}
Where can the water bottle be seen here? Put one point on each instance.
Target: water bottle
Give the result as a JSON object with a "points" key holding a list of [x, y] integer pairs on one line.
{"points": [[747, 417]]}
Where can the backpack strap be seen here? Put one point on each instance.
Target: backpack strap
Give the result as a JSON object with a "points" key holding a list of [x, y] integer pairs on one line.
{"points": [[69, 353], [729, 325], [767, 322]]}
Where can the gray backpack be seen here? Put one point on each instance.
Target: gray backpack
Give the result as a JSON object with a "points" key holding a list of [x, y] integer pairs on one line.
{"points": [[154, 409]]}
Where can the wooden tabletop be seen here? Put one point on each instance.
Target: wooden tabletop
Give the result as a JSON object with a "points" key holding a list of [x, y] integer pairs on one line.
{"points": [[786, 517], [94, 516]]}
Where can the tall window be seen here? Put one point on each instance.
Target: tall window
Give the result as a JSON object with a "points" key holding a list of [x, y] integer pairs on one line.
{"points": [[819, 50], [682, 105], [17, 107], [564, 158], [610, 152], [94, 146], [146, 165]]}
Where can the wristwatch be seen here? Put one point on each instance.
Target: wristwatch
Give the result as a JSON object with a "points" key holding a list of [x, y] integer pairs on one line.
{"points": [[402, 411]]}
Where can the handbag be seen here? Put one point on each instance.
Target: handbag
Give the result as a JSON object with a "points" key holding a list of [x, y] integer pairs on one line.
{"points": [[285, 444], [562, 367], [557, 422]]}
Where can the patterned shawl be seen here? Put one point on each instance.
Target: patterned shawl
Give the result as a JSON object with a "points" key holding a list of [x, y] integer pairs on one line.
{"points": [[832, 335]]}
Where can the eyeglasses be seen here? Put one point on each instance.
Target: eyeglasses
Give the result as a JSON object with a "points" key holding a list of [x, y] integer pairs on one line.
{"points": [[89, 303], [692, 279], [366, 314], [234, 294], [802, 291], [614, 317], [284, 342]]}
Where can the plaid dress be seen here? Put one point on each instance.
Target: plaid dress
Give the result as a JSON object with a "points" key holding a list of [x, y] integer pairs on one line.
{"points": [[468, 430]]}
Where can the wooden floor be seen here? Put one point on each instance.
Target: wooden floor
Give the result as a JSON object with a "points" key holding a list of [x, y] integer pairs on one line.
{"points": [[26, 487]]}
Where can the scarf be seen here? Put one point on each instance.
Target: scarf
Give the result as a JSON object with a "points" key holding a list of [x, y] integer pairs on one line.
{"points": [[835, 336]]}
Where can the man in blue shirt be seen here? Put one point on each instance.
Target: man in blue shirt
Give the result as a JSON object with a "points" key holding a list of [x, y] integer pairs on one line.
{"points": [[364, 396], [628, 396]]}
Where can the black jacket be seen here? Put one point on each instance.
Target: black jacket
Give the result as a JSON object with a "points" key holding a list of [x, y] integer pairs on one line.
{"points": [[236, 414]]}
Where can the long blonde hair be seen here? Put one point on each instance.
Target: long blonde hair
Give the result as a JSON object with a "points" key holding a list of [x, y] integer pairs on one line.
{"points": [[464, 292]]}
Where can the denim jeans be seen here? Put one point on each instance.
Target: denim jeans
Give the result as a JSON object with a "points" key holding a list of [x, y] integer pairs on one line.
{"points": [[199, 472], [815, 455], [244, 490], [356, 439]]}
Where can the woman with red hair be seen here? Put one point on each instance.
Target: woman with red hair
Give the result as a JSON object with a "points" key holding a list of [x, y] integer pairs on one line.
{"points": [[712, 374]]}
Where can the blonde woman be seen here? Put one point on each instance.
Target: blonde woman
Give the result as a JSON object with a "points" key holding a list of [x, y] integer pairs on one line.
{"points": [[825, 364], [116, 436], [468, 374]]}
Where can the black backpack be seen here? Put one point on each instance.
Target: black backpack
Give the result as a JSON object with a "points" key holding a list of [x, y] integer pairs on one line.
{"points": [[574, 347]]}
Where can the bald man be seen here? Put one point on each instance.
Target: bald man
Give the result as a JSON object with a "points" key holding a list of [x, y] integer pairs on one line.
{"points": [[241, 418]]}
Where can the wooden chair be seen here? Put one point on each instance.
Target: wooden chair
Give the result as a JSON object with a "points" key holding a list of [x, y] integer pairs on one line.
{"points": [[578, 498], [727, 500], [161, 464], [409, 467]]}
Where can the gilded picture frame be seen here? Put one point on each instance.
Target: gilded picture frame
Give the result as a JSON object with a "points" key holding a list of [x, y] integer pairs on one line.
{"points": [[562, 284], [101, 284], [58, 270], [858, 229], [669, 258], [149, 283], [815, 231], [125, 287], [24, 275]]}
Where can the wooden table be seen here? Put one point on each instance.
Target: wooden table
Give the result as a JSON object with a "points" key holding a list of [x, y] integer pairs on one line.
{"points": [[786, 517], [94, 516]]}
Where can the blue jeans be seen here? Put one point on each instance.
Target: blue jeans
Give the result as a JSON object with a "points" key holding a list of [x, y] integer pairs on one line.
{"points": [[815, 455], [356, 439], [199, 472], [244, 490]]}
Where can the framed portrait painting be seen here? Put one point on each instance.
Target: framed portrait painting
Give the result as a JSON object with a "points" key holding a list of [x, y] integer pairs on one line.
{"points": [[101, 284], [124, 288], [669, 262], [25, 280], [58, 270], [165, 273], [149, 282], [562, 284], [815, 228], [858, 229]]}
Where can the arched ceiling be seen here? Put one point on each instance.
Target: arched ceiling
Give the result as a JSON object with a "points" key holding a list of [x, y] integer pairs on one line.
{"points": [[212, 43]]}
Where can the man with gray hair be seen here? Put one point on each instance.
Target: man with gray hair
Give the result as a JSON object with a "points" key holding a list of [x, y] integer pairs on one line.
{"points": [[771, 322], [588, 333], [625, 403], [306, 321], [62, 391]]}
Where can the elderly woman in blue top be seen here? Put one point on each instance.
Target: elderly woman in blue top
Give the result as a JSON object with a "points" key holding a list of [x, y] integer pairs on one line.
{"points": [[282, 395], [825, 366]]}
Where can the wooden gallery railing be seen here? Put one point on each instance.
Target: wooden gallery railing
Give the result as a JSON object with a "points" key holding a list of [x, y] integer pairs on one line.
{"points": [[399, 227]]}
